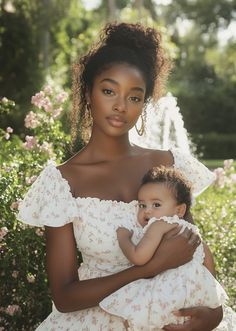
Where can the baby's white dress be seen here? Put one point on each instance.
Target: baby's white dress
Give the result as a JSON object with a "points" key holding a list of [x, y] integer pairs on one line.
{"points": [[148, 304], [50, 202]]}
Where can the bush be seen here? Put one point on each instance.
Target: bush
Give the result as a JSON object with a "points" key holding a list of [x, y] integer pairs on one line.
{"points": [[215, 214], [215, 145], [25, 299]]}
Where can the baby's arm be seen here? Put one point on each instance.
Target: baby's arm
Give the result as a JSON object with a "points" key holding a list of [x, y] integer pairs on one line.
{"points": [[142, 252]]}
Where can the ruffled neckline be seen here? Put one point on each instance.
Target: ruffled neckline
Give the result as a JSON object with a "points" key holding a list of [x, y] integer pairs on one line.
{"points": [[88, 199]]}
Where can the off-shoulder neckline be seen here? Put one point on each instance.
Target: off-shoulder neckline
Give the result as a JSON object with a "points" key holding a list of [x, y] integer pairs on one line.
{"points": [[96, 199]]}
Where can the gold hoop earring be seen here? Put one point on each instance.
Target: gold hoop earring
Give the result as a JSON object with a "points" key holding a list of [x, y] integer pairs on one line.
{"points": [[88, 116], [141, 131]]}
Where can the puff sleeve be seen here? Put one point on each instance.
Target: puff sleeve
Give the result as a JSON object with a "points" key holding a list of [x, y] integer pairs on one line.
{"points": [[48, 201], [196, 172]]}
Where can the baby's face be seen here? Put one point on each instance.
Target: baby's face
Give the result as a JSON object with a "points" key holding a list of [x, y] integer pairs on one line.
{"points": [[155, 200]]}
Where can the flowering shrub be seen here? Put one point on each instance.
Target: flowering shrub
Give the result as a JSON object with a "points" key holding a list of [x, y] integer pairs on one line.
{"points": [[215, 213], [24, 292], [25, 299]]}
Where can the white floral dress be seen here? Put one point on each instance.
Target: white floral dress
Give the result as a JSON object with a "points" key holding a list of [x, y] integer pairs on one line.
{"points": [[50, 202], [148, 304]]}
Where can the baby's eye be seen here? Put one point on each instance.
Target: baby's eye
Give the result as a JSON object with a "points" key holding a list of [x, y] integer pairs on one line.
{"points": [[141, 205], [156, 205], [107, 91], [135, 99]]}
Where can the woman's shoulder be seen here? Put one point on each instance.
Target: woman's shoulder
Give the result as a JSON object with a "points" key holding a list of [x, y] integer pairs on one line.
{"points": [[156, 156]]}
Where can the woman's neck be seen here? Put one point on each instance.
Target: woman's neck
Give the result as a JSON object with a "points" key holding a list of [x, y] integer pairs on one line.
{"points": [[109, 148]]}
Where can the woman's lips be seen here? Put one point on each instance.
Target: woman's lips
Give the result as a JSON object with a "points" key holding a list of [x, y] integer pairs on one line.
{"points": [[116, 121]]}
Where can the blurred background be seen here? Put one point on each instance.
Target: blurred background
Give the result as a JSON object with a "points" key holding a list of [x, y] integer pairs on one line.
{"points": [[39, 41]]}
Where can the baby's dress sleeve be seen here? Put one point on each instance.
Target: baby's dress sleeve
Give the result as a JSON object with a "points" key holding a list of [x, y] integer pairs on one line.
{"points": [[48, 201], [196, 172]]}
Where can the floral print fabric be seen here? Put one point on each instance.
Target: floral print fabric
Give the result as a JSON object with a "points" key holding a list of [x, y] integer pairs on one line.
{"points": [[50, 202], [148, 304]]}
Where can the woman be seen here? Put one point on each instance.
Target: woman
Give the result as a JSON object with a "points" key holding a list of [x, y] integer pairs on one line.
{"points": [[81, 201]]}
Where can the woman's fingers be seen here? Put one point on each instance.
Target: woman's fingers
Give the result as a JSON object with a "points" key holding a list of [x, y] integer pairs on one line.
{"points": [[194, 240], [173, 232]]}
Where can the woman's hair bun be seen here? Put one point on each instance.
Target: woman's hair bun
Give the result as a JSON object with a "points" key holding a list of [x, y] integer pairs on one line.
{"points": [[133, 36]]}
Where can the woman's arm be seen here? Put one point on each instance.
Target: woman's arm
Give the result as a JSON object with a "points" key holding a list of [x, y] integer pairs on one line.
{"points": [[71, 294], [142, 252], [208, 260]]}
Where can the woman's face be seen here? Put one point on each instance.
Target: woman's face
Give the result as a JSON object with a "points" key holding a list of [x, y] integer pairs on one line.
{"points": [[117, 99]]}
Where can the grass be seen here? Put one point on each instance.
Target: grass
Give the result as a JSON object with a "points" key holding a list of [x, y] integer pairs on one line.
{"points": [[214, 163]]}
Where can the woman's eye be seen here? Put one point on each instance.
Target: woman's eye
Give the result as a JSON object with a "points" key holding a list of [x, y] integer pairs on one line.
{"points": [[141, 206], [135, 99], [156, 205], [107, 91]]}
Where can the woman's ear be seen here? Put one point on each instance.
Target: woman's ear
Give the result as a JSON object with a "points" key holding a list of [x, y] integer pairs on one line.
{"points": [[181, 209]]}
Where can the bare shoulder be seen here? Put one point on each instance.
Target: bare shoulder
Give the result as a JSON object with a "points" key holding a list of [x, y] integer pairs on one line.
{"points": [[156, 157], [72, 170], [67, 167]]}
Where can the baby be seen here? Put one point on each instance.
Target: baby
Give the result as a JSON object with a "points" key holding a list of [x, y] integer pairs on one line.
{"points": [[164, 199]]}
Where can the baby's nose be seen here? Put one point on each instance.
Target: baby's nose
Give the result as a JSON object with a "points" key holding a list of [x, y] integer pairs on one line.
{"points": [[148, 210]]}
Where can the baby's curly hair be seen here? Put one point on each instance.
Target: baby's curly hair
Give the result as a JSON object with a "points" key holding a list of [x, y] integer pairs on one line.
{"points": [[174, 180], [119, 43]]}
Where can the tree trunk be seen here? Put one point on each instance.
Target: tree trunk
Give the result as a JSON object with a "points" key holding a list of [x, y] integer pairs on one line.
{"points": [[112, 10], [139, 5]]}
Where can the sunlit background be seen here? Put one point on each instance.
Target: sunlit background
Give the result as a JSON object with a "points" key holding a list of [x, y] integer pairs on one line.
{"points": [[39, 43]]}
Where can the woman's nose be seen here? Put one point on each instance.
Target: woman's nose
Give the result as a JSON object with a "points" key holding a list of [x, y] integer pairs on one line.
{"points": [[119, 105]]}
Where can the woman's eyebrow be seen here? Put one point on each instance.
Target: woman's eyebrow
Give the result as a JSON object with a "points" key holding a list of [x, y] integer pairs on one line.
{"points": [[135, 88]]}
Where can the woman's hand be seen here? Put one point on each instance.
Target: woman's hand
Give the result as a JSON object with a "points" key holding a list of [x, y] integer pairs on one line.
{"points": [[201, 319], [174, 250]]}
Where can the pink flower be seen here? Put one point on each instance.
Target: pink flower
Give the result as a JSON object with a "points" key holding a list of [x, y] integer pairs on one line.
{"points": [[9, 129], [220, 177], [47, 148], [4, 100], [228, 163], [30, 143], [30, 180], [38, 99], [15, 274], [48, 90], [30, 278], [15, 204], [3, 232], [7, 136], [39, 232], [56, 112], [61, 97], [12, 309], [47, 105], [31, 120], [233, 178]]}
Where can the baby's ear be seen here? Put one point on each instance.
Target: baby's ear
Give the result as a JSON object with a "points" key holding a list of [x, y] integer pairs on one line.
{"points": [[181, 209]]}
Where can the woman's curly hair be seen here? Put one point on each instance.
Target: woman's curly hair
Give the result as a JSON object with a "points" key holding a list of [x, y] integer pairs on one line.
{"points": [[119, 43]]}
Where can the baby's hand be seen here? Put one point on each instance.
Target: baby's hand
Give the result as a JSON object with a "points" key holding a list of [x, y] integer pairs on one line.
{"points": [[123, 233]]}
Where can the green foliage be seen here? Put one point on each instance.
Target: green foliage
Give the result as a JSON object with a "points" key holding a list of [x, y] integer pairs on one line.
{"points": [[215, 214], [25, 299], [213, 144], [39, 39]]}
